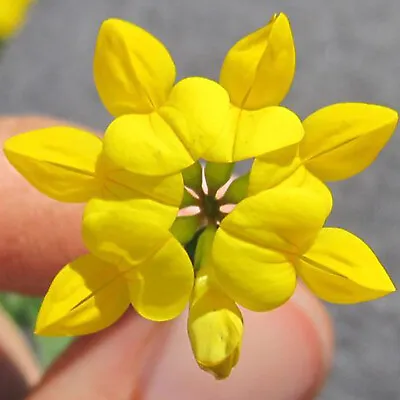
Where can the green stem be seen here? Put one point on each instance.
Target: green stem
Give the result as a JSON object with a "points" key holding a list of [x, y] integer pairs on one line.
{"points": [[204, 247]]}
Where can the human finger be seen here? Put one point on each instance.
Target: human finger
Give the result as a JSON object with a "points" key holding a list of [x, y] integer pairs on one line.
{"points": [[38, 235], [285, 356]]}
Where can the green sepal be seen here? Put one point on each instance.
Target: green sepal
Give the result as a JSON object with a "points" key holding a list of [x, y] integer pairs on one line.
{"points": [[193, 176], [237, 190], [188, 200], [217, 174], [185, 227]]}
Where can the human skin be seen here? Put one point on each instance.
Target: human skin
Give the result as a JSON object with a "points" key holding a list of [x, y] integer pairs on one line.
{"points": [[286, 353]]}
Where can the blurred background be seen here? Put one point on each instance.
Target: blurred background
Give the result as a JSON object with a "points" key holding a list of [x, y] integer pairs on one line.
{"points": [[346, 51]]}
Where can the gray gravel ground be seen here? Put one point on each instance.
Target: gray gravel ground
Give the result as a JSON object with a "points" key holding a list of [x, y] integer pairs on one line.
{"points": [[347, 51]]}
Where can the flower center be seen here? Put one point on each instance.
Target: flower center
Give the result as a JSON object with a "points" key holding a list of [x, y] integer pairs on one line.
{"points": [[210, 207], [211, 193]]}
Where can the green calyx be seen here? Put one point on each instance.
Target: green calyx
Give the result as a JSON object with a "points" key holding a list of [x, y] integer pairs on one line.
{"points": [[216, 175]]}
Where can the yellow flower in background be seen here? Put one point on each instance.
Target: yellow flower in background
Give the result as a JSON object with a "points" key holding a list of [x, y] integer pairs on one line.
{"points": [[12, 16], [132, 261]]}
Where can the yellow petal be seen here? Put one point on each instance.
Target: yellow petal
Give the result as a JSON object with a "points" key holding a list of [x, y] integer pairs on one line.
{"points": [[160, 286], [150, 210], [86, 296], [305, 180], [174, 137], [122, 184], [341, 268], [273, 168], [285, 219], [157, 198], [122, 236], [256, 244], [284, 169], [215, 328], [133, 71], [250, 134], [146, 144], [197, 110], [60, 161], [158, 269], [259, 69], [255, 277], [343, 139]]}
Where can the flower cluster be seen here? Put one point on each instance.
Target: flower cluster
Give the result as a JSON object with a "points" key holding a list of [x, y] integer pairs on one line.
{"points": [[161, 234]]}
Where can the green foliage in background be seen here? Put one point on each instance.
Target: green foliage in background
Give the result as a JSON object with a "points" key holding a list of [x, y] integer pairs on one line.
{"points": [[23, 310]]}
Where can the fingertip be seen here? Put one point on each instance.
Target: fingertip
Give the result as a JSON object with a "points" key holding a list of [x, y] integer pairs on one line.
{"points": [[112, 364], [320, 320], [11, 125], [283, 357]]}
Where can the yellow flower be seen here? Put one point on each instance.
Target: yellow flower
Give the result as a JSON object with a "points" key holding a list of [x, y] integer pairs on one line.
{"points": [[215, 323], [215, 326], [171, 127], [276, 235], [132, 261], [257, 73], [12, 16], [251, 256], [168, 126], [258, 249], [125, 228], [339, 141]]}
